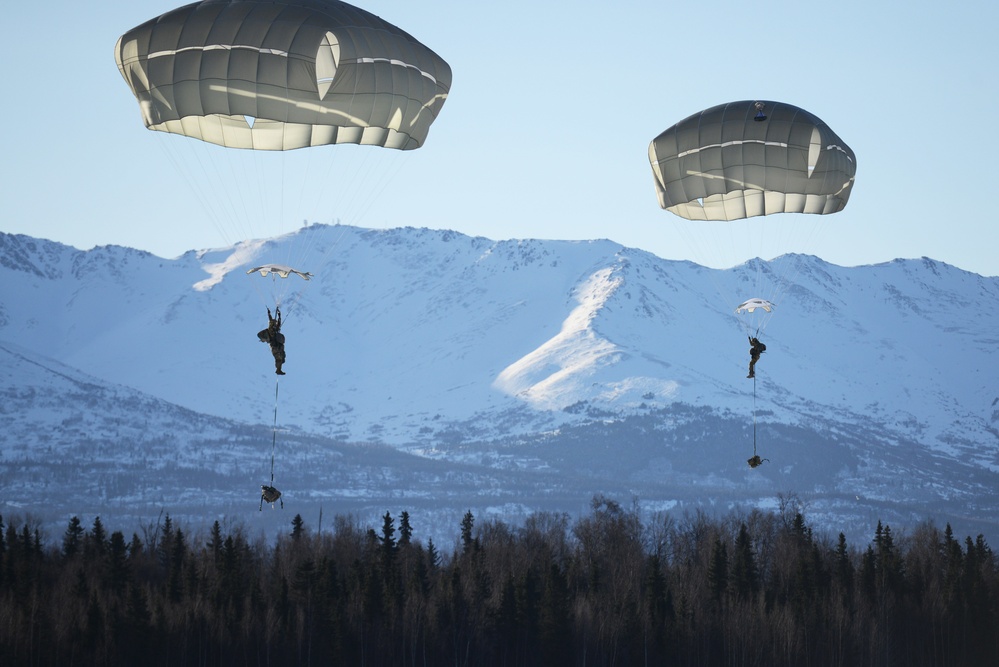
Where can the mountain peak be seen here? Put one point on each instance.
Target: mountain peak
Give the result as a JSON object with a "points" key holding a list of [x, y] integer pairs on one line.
{"points": [[438, 342]]}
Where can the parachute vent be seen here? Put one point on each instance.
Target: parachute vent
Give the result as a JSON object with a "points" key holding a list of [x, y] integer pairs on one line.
{"points": [[327, 62], [814, 149]]}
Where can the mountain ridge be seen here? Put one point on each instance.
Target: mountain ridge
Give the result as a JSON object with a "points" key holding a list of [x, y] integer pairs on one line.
{"points": [[461, 348]]}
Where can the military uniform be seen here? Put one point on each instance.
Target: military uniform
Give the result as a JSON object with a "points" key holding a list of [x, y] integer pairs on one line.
{"points": [[755, 351], [272, 336]]}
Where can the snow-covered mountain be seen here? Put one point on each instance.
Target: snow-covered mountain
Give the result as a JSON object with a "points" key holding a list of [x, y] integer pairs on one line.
{"points": [[585, 366]]}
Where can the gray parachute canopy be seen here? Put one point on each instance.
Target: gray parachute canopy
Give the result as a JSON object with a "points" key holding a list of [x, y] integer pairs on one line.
{"points": [[750, 158], [283, 74]]}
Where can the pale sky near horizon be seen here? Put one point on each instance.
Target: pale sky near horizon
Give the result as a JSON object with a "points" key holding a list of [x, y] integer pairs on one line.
{"points": [[546, 130]]}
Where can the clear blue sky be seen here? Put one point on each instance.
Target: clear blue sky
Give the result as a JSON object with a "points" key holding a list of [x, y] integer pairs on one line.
{"points": [[546, 130]]}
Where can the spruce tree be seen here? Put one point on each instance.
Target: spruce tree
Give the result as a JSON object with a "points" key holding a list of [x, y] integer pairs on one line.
{"points": [[297, 528], [843, 567], [215, 542], [467, 522], [745, 577], [117, 555], [433, 556], [388, 535], [718, 569], [72, 537], [96, 541], [405, 530]]}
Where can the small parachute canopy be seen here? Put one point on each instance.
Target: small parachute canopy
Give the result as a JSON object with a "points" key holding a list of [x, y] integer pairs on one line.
{"points": [[750, 305], [750, 158], [280, 270], [283, 74]]}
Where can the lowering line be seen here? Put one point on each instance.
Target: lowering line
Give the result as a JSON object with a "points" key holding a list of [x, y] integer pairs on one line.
{"points": [[269, 493], [277, 384], [754, 428], [756, 460]]}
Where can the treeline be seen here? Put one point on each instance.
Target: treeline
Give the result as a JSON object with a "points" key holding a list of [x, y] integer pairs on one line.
{"points": [[605, 589]]}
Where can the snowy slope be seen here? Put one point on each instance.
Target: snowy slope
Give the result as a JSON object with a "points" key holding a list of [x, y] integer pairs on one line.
{"points": [[604, 366], [407, 331], [75, 445]]}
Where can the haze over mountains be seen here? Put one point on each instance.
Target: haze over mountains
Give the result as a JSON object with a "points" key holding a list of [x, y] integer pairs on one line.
{"points": [[436, 372]]}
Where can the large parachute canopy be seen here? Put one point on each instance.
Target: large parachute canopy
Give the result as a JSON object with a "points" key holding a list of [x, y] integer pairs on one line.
{"points": [[283, 74], [750, 158], [244, 82]]}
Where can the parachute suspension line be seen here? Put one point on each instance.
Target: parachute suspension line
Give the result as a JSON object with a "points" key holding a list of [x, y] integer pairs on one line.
{"points": [[397, 162], [272, 299], [785, 270], [231, 186], [349, 181], [235, 179], [196, 180], [708, 249], [359, 168], [802, 237], [279, 289]]}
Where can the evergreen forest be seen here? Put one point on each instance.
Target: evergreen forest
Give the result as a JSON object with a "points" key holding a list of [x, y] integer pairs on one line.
{"points": [[606, 588]]}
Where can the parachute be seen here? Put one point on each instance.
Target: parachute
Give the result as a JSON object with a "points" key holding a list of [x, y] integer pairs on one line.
{"points": [[264, 78], [278, 289], [279, 270], [250, 82], [743, 160], [754, 315], [728, 163], [748, 159], [283, 75], [750, 306]]}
